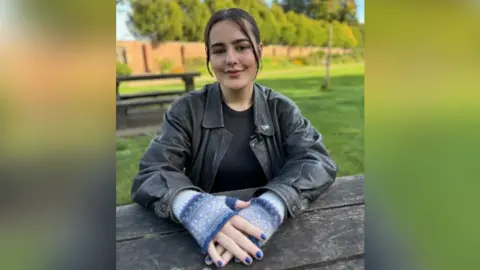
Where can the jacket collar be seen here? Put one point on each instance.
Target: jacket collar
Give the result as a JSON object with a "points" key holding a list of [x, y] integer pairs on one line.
{"points": [[213, 114]]}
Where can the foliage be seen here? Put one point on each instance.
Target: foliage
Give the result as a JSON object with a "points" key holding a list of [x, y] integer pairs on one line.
{"points": [[123, 69], [292, 23], [343, 36], [196, 16], [215, 5], [165, 65], [160, 20], [286, 28], [196, 64], [357, 33]]}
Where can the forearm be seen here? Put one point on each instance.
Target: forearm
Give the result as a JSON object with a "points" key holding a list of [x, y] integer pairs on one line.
{"points": [[181, 200], [277, 202]]}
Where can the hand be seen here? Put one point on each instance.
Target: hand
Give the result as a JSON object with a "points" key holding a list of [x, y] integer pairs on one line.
{"points": [[226, 255], [212, 219], [232, 242], [263, 214]]}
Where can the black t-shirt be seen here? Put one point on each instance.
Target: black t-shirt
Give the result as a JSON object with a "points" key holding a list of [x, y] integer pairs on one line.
{"points": [[239, 168]]}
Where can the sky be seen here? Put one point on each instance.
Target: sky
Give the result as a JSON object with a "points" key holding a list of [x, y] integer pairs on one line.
{"points": [[124, 34]]}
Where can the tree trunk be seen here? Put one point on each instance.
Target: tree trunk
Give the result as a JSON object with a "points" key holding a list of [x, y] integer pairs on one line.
{"points": [[326, 80]]}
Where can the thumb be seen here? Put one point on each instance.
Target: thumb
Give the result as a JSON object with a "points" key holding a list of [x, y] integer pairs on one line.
{"points": [[242, 204]]}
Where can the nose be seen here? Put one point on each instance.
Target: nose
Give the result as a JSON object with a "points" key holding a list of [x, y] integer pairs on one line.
{"points": [[231, 57]]}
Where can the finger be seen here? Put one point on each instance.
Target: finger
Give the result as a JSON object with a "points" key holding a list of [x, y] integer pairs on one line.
{"points": [[245, 226], [220, 250], [243, 242], [216, 258], [227, 256], [242, 204], [231, 202], [231, 246]]}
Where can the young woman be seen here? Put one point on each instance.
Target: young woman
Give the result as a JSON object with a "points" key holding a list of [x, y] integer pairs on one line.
{"points": [[233, 134]]}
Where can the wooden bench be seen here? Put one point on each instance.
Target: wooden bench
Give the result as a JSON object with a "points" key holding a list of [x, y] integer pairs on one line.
{"points": [[127, 101], [329, 235]]}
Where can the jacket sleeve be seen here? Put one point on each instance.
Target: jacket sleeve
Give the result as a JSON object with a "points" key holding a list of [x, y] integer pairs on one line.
{"points": [[308, 170], [161, 169]]}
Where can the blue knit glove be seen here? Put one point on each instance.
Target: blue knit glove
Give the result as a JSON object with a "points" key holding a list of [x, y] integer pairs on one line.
{"points": [[264, 215], [204, 215]]}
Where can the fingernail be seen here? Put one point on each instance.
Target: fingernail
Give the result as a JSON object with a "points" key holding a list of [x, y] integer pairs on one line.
{"points": [[248, 260], [259, 254], [220, 263], [263, 236], [208, 259]]}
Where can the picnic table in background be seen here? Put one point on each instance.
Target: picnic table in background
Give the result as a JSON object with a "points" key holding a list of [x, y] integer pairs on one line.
{"points": [[329, 235], [146, 99]]}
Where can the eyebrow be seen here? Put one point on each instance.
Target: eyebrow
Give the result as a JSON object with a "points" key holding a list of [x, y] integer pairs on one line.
{"points": [[233, 42]]}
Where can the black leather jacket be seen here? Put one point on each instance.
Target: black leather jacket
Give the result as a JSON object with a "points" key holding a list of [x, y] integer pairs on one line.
{"points": [[187, 154]]}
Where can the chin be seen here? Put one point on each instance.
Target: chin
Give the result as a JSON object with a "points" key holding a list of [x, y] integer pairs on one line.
{"points": [[235, 84]]}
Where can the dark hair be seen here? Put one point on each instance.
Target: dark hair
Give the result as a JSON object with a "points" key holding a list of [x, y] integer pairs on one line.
{"points": [[236, 15]]}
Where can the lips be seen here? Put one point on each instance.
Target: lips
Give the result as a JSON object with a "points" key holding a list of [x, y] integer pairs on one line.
{"points": [[234, 72]]}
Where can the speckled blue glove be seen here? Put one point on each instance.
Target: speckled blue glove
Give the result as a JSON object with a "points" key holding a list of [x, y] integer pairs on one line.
{"points": [[266, 213], [204, 215]]}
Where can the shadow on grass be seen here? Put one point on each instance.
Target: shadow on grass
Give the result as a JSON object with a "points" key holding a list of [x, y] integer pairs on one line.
{"points": [[306, 91]]}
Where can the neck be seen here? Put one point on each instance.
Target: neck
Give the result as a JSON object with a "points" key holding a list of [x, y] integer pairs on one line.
{"points": [[238, 99]]}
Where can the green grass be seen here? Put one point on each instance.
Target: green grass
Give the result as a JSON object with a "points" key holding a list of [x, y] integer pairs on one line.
{"points": [[337, 114]]}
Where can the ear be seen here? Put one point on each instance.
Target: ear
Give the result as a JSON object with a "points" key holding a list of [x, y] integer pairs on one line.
{"points": [[260, 50]]}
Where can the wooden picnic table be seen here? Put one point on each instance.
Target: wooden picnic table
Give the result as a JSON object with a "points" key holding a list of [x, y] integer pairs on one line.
{"points": [[147, 99], [329, 235], [188, 79]]}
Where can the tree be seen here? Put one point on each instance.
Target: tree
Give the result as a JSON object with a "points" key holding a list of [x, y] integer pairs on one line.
{"points": [[269, 26], [196, 15], [158, 20], [216, 5], [357, 33], [317, 34], [330, 11], [287, 28], [297, 6], [300, 23], [343, 36]]}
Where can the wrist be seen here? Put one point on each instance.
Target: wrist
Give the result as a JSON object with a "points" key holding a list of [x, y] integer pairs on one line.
{"points": [[181, 200], [276, 202]]}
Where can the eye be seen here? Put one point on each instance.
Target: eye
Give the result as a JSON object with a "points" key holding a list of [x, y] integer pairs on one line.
{"points": [[242, 48], [218, 51]]}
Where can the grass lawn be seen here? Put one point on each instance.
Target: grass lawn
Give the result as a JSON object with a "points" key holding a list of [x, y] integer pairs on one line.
{"points": [[338, 114]]}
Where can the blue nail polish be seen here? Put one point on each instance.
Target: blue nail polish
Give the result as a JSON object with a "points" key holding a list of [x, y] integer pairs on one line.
{"points": [[259, 254], [263, 236], [248, 260], [220, 263], [208, 259]]}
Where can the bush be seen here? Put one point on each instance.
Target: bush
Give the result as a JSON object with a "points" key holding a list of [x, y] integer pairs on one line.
{"points": [[299, 61], [165, 65], [123, 69], [357, 54], [196, 64], [272, 63], [178, 69]]}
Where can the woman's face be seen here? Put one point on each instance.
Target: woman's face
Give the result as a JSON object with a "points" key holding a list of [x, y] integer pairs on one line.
{"points": [[232, 56]]}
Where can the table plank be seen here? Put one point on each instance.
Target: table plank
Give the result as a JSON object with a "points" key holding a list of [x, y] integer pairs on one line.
{"points": [[340, 265], [157, 76], [320, 238], [134, 222]]}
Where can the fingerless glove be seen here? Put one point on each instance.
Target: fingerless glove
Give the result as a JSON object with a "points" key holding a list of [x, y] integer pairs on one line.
{"points": [[265, 212], [203, 214]]}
